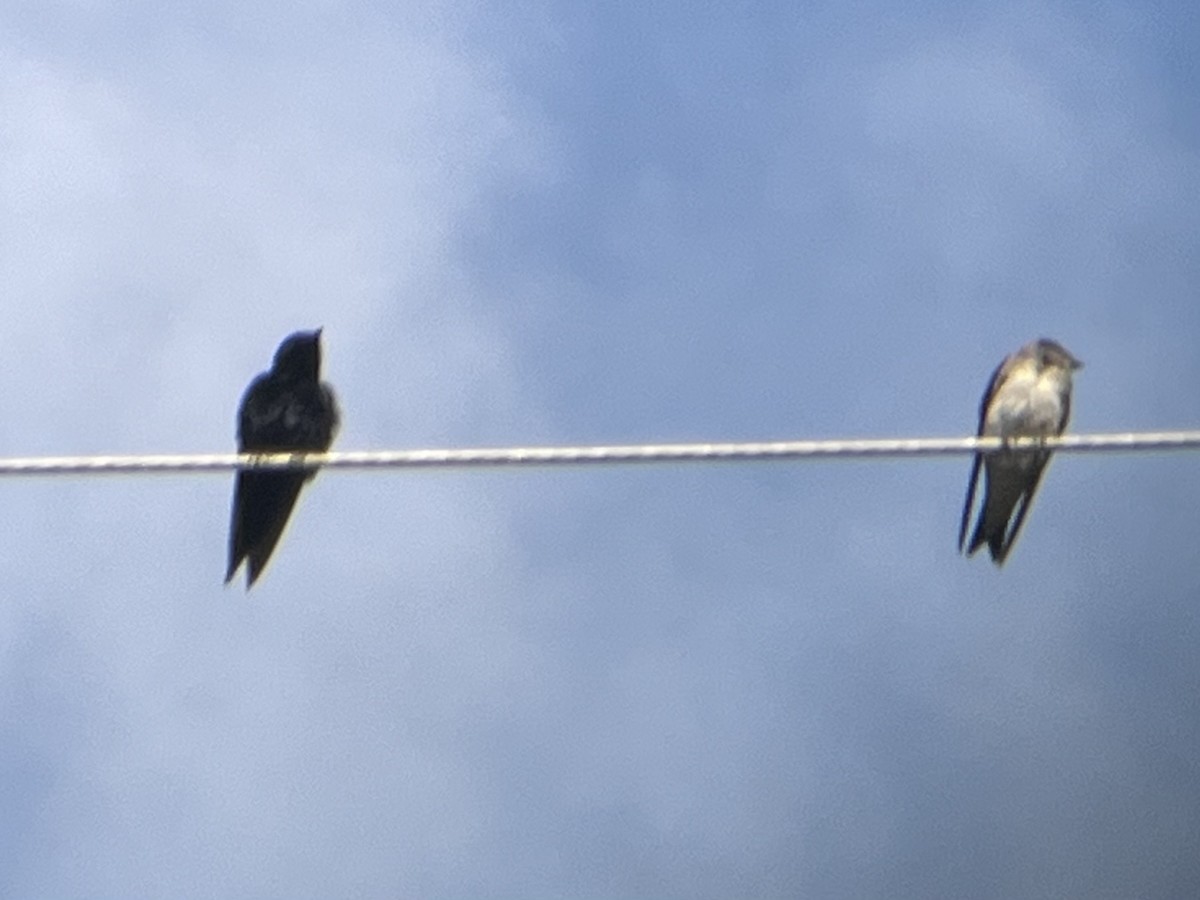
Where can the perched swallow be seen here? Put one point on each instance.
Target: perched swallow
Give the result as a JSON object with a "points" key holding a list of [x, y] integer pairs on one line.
{"points": [[286, 408], [1029, 396]]}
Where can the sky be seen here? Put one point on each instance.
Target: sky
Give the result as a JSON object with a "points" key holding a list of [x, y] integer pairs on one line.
{"points": [[545, 222]]}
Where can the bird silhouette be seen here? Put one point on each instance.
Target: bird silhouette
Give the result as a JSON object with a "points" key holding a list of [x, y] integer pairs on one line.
{"points": [[287, 408]]}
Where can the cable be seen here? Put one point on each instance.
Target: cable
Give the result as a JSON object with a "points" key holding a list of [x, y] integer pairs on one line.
{"points": [[619, 453]]}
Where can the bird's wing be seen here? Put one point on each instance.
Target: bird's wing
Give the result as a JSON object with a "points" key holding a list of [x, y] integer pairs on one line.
{"points": [[966, 513], [989, 394], [1026, 500], [261, 424], [1066, 412]]}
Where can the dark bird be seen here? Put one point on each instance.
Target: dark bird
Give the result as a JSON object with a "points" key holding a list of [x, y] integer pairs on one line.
{"points": [[1029, 396], [287, 408]]}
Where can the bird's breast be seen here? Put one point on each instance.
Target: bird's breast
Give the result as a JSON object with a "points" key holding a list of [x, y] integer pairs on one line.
{"points": [[1027, 404]]}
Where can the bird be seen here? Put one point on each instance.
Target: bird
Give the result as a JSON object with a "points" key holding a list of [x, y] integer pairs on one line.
{"points": [[1029, 396], [287, 408]]}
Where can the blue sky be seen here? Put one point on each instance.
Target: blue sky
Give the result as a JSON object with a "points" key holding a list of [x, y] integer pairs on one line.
{"points": [[543, 222]]}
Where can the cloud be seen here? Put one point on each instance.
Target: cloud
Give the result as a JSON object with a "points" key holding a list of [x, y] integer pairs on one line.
{"points": [[669, 681]]}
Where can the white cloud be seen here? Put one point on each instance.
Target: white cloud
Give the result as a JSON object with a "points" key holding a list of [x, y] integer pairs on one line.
{"points": [[709, 682]]}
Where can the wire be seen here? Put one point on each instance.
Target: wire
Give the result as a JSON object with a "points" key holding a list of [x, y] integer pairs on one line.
{"points": [[601, 454]]}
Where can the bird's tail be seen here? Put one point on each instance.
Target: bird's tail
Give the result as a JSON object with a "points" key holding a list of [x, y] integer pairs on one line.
{"points": [[992, 529]]}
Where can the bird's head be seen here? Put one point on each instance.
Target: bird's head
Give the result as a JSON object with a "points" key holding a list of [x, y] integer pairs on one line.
{"points": [[1052, 353], [299, 356]]}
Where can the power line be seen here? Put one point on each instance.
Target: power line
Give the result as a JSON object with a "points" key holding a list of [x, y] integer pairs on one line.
{"points": [[594, 454]]}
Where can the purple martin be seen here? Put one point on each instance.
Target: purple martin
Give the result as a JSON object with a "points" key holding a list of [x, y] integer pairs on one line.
{"points": [[286, 408], [1029, 396]]}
